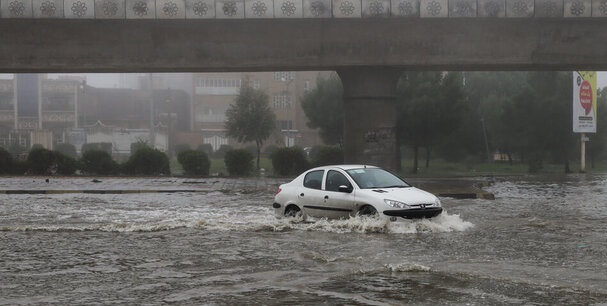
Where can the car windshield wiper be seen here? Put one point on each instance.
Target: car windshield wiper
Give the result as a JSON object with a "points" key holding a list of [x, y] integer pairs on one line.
{"points": [[395, 186]]}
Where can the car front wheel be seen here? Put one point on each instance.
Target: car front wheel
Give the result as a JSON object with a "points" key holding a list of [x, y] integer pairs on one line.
{"points": [[368, 211]]}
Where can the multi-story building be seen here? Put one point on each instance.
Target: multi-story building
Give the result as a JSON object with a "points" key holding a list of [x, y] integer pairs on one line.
{"points": [[36, 110], [214, 92]]}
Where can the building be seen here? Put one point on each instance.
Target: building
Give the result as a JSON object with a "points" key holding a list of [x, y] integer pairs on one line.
{"points": [[36, 110], [166, 111], [214, 92]]}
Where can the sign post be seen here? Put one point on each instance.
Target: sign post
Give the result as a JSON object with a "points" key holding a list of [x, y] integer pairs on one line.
{"points": [[584, 109]]}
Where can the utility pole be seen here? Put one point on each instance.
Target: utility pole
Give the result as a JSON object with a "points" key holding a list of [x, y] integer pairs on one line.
{"points": [[583, 140]]}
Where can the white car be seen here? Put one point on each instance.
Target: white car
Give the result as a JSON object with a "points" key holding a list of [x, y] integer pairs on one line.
{"points": [[348, 190]]}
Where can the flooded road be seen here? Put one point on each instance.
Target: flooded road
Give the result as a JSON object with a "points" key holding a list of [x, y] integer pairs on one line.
{"points": [[543, 241]]}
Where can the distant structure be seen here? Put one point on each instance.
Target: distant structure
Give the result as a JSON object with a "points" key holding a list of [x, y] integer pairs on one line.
{"points": [[36, 110], [214, 92], [168, 110]]}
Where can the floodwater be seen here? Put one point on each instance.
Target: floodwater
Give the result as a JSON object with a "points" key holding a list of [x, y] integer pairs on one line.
{"points": [[543, 241]]}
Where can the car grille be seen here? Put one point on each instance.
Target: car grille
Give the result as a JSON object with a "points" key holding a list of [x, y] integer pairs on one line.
{"points": [[422, 205]]}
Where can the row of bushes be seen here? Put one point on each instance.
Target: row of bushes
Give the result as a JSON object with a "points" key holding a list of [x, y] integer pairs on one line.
{"points": [[149, 161], [285, 161], [41, 161]]}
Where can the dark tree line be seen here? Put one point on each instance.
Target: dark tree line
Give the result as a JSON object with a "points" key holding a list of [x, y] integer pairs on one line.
{"points": [[455, 116]]}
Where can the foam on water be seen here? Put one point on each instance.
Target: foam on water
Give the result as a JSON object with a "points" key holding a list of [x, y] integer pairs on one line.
{"points": [[214, 211], [407, 267], [264, 222]]}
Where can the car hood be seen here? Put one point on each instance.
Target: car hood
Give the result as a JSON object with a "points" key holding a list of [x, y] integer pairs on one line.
{"points": [[408, 195]]}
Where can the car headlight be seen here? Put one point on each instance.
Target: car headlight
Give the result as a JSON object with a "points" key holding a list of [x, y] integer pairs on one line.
{"points": [[396, 204], [437, 202]]}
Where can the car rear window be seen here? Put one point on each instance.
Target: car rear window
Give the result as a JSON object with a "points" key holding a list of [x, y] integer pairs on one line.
{"points": [[313, 179]]}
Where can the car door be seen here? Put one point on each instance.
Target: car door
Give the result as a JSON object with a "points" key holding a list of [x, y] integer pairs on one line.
{"points": [[310, 195], [338, 203]]}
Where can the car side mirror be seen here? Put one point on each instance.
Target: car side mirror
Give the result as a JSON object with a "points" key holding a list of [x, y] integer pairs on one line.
{"points": [[344, 188]]}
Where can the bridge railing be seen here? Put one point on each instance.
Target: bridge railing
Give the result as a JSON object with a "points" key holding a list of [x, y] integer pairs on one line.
{"points": [[268, 9]]}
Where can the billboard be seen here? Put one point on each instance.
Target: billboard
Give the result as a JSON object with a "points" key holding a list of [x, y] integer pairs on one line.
{"points": [[584, 101]]}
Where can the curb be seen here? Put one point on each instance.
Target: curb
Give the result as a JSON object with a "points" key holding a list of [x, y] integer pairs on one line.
{"points": [[35, 191], [482, 195]]}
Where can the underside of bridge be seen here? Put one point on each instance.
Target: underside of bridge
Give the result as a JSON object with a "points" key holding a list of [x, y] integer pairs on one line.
{"points": [[368, 54]]}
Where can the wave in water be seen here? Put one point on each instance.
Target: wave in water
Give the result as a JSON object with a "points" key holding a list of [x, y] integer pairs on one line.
{"points": [[265, 223]]}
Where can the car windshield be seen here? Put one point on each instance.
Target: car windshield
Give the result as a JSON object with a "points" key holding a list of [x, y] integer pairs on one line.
{"points": [[368, 178]]}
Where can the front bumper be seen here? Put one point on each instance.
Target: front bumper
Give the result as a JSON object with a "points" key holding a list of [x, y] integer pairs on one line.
{"points": [[415, 213]]}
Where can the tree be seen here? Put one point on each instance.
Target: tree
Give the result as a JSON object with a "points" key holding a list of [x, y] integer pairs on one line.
{"points": [[324, 108], [489, 94], [597, 143], [539, 118], [250, 118], [430, 110]]}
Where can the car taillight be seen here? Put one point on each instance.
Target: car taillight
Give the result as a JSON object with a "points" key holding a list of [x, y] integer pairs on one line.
{"points": [[278, 191]]}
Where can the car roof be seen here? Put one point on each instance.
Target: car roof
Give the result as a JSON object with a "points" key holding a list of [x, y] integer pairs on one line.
{"points": [[345, 167]]}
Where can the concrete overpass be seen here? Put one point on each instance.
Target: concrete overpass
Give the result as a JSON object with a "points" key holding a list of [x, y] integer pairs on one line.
{"points": [[369, 42]]}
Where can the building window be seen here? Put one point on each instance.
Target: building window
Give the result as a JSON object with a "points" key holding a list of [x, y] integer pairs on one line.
{"points": [[220, 87], [255, 84], [284, 75], [281, 101], [6, 102], [218, 83]]}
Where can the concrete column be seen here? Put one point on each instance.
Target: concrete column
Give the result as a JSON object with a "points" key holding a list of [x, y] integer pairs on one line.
{"points": [[370, 115]]}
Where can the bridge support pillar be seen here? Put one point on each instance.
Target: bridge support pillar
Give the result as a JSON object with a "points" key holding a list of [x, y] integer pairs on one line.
{"points": [[370, 116]]}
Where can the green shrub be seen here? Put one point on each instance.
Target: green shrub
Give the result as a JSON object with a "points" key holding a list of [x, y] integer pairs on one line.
{"points": [[194, 162], [147, 161], [66, 165], [7, 163], [327, 155], [41, 161], [19, 167], [289, 161], [98, 162], [238, 162]]}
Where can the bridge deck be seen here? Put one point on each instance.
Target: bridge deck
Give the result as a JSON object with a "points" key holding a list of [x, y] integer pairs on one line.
{"points": [[288, 9]]}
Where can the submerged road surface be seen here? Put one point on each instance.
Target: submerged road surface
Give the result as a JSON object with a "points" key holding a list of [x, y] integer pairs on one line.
{"points": [[543, 241]]}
